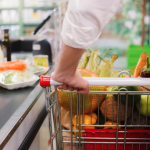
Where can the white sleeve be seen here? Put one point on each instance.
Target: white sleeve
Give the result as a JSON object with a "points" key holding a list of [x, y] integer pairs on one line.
{"points": [[85, 20]]}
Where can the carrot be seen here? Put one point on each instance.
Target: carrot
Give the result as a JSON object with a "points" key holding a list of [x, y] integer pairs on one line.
{"points": [[13, 65], [141, 63]]}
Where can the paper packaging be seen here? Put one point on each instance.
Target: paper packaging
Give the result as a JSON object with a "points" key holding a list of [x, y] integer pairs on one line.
{"points": [[67, 137], [66, 123]]}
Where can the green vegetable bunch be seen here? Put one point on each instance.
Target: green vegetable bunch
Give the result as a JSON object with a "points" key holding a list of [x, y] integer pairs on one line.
{"points": [[92, 61]]}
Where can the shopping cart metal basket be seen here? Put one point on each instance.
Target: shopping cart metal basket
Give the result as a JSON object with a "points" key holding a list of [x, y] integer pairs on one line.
{"points": [[131, 130]]}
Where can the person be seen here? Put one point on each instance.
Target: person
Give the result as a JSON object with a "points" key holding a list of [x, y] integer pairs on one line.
{"points": [[82, 26]]}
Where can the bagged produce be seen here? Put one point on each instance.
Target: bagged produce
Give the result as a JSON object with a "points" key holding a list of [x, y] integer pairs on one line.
{"points": [[91, 100]]}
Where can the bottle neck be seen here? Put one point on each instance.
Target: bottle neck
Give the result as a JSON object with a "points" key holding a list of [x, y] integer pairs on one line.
{"points": [[6, 35]]}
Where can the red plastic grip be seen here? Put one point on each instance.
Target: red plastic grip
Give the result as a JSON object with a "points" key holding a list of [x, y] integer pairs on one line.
{"points": [[45, 81]]}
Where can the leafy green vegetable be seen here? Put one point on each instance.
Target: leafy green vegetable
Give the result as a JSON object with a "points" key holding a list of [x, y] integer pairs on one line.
{"points": [[15, 77], [7, 79]]}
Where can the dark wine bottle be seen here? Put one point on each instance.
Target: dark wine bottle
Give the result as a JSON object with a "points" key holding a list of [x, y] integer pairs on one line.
{"points": [[6, 45]]}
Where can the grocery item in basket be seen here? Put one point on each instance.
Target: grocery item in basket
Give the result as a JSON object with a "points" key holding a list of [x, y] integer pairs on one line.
{"points": [[114, 74], [132, 70], [13, 65], [91, 101], [143, 105], [131, 98], [141, 63], [67, 137], [89, 119], [145, 73], [109, 108], [66, 119], [111, 123], [106, 66], [135, 119], [93, 61], [84, 60]]}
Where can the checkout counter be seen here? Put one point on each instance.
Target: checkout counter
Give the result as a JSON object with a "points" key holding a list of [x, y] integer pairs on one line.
{"points": [[22, 113], [23, 117]]}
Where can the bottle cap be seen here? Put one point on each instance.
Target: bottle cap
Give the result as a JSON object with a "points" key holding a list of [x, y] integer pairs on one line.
{"points": [[6, 30]]}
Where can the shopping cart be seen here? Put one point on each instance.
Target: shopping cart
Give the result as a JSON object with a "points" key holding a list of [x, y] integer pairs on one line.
{"points": [[131, 131]]}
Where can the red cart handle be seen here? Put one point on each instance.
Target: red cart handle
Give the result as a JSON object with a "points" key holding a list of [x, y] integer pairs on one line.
{"points": [[47, 81]]}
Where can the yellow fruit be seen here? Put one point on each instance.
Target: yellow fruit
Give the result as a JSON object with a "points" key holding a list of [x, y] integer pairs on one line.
{"points": [[88, 119], [94, 115]]}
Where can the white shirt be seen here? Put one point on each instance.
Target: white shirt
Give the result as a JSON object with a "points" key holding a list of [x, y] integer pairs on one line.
{"points": [[85, 20]]}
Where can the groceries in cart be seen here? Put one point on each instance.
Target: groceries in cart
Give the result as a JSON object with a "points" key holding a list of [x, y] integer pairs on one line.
{"points": [[109, 117], [64, 97]]}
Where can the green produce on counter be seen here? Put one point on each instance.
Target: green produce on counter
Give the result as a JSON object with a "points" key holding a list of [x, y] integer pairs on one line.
{"points": [[131, 98], [143, 105], [15, 77]]}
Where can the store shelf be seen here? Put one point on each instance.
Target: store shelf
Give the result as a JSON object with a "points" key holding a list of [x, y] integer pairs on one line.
{"points": [[20, 9], [11, 8], [31, 24], [8, 24], [45, 7]]}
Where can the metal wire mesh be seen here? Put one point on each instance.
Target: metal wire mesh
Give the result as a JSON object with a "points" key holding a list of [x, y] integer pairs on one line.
{"points": [[131, 130]]}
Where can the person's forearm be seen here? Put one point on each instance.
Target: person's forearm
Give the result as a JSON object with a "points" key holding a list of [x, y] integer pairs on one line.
{"points": [[67, 62]]}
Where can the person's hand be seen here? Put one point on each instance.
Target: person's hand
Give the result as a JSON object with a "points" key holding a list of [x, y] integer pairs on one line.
{"points": [[72, 82], [65, 70]]}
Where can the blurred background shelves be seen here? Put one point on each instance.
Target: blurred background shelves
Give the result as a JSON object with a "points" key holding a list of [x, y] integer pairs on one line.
{"points": [[44, 7], [124, 33], [22, 16], [8, 24], [6, 8]]}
